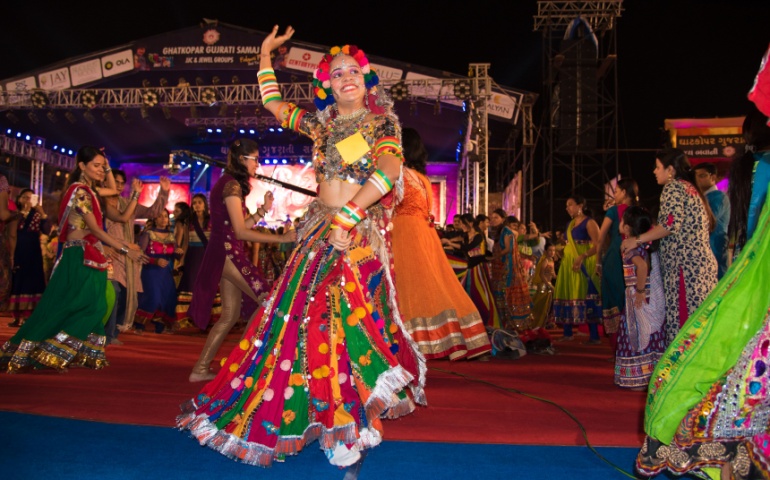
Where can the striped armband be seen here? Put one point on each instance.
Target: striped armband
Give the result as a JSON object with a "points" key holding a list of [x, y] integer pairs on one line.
{"points": [[381, 182], [348, 217], [292, 117], [387, 146], [268, 86]]}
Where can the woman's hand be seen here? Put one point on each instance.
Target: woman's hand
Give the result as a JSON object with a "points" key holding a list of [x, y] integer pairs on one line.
{"points": [[136, 256], [134, 246], [576, 264], [162, 263], [289, 237], [639, 299], [267, 202], [136, 185], [179, 251], [627, 244], [273, 40], [339, 239], [165, 184]]}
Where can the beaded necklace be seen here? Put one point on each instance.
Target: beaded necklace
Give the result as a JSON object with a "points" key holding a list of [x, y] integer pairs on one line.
{"points": [[338, 129]]}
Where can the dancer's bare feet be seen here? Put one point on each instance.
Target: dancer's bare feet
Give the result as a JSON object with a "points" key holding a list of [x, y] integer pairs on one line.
{"points": [[201, 377]]}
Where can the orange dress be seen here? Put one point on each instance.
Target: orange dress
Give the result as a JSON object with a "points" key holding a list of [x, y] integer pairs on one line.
{"points": [[435, 309]]}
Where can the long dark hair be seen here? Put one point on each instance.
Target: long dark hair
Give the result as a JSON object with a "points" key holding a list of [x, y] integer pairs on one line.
{"points": [[184, 217], [639, 220], [629, 186], [677, 159], [18, 197], [235, 168], [86, 154], [415, 154], [756, 132], [496, 231], [206, 213]]}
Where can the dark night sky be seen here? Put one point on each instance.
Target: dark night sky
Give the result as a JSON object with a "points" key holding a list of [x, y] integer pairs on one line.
{"points": [[676, 58]]}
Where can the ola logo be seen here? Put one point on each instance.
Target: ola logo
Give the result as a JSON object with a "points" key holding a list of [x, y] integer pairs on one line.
{"points": [[108, 65]]}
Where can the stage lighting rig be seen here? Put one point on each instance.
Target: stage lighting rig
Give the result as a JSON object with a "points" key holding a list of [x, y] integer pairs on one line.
{"points": [[171, 167]]}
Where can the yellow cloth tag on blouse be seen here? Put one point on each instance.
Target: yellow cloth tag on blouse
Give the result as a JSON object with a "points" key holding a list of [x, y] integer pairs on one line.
{"points": [[352, 148]]}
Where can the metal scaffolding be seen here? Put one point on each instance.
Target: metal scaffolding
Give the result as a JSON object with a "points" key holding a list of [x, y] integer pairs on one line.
{"points": [[583, 170], [475, 91]]}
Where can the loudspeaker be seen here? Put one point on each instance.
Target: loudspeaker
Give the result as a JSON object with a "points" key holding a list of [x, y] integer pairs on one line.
{"points": [[578, 99]]}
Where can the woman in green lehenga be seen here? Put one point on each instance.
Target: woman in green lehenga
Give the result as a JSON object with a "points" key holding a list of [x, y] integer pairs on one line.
{"points": [[708, 407], [67, 327]]}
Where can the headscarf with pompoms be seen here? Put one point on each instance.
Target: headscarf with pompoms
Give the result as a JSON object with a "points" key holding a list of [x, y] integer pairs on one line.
{"points": [[322, 76]]}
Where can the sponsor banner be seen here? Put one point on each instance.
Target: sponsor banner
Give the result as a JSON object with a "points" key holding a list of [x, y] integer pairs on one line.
{"points": [[116, 63], [387, 74], [501, 105], [433, 89], [210, 47], [19, 85], [710, 146], [55, 79], [300, 59], [85, 72]]}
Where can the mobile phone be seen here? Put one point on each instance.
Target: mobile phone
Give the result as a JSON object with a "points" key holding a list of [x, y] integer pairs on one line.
{"points": [[34, 199]]}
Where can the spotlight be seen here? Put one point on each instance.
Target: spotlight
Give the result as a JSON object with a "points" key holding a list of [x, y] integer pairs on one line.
{"points": [[40, 141], [70, 152], [237, 113], [18, 134], [280, 130], [242, 131], [145, 113], [52, 117], [70, 117], [215, 80], [251, 131], [107, 117], [235, 80], [271, 130], [223, 110], [124, 116], [8, 131], [182, 83], [198, 81], [163, 82], [284, 161], [12, 117], [33, 118], [166, 112], [89, 116], [145, 83], [27, 138], [208, 130], [219, 130], [399, 91]]}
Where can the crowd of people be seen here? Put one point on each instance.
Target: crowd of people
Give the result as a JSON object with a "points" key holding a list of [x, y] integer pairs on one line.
{"points": [[339, 317]]}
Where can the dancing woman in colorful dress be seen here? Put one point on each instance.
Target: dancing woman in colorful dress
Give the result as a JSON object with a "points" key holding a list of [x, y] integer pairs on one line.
{"points": [[477, 282], [708, 406], [611, 266], [577, 300], [684, 222], [194, 239], [225, 262], [28, 281], [641, 338], [327, 356], [438, 314], [157, 303], [67, 327]]}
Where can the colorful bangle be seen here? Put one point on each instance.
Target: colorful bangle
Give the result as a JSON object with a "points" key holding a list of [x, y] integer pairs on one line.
{"points": [[268, 86], [381, 182], [348, 217]]}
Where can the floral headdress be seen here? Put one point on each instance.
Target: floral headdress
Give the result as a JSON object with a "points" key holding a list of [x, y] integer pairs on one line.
{"points": [[322, 78]]}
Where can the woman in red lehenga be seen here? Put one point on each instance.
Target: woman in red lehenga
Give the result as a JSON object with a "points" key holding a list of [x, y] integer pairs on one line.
{"points": [[326, 357], [437, 312]]}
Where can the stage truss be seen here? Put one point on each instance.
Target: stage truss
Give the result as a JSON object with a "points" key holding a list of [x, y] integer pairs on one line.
{"points": [[588, 170], [474, 91]]}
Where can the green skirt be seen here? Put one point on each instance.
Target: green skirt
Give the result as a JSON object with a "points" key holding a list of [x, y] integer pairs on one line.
{"points": [[67, 326]]}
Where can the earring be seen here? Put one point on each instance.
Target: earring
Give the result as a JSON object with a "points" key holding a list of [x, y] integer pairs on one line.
{"points": [[366, 99]]}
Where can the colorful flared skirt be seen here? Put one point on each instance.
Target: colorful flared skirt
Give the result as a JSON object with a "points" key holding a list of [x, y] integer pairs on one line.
{"points": [[577, 299], [477, 286], [709, 398], [67, 327], [437, 312], [326, 358]]}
